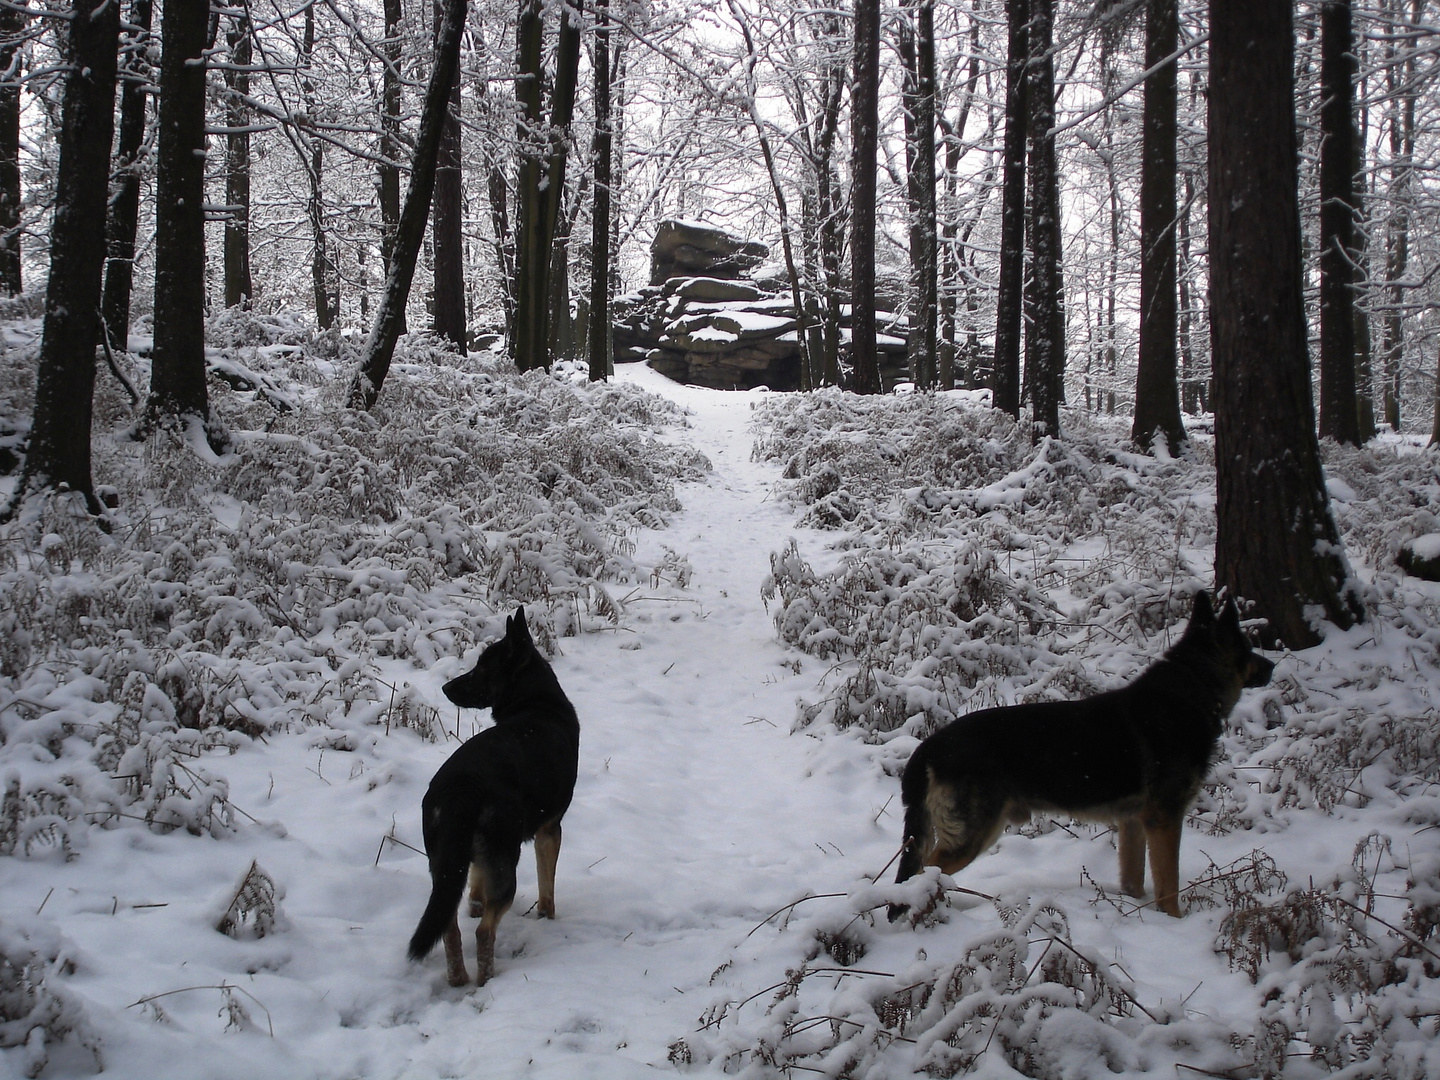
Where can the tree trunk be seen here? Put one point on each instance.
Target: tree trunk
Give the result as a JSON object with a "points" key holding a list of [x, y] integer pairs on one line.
{"points": [[390, 91], [829, 224], [12, 25], [177, 369], [1339, 418], [1276, 542], [58, 456], [389, 316], [1401, 85], [323, 277], [601, 350], [238, 286], [447, 225], [1435, 422], [917, 47], [1157, 394], [1044, 296], [1194, 389], [864, 126], [541, 184], [1009, 301], [125, 198]]}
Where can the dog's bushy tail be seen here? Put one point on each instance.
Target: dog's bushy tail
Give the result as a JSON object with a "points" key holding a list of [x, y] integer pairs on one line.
{"points": [[449, 852], [913, 784]]}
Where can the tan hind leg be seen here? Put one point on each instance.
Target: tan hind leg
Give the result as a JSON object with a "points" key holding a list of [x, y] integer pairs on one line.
{"points": [[495, 880], [455, 954], [485, 941], [1162, 834], [1132, 857], [547, 851]]}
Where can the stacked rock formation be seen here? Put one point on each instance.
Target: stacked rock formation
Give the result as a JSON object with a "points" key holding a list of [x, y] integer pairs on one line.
{"points": [[704, 320]]}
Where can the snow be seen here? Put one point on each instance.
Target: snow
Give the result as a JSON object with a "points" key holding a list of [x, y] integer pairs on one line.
{"points": [[730, 817]]}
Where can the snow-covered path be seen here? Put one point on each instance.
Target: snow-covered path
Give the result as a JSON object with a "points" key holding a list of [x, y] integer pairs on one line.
{"points": [[696, 816]]}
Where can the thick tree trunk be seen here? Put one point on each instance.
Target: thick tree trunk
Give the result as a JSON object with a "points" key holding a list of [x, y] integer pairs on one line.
{"points": [[1157, 394], [389, 316], [1009, 301], [177, 370], [447, 226], [601, 350], [541, 184], [59, 451], [864, 126], [1044, 295], [1339, 418], [12, 25], [239, 288], [125, 198], [1276, 542]]}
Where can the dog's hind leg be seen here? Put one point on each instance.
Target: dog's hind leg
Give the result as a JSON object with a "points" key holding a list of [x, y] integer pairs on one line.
{"points": [[1132, 856], [1162, 834], [497, 884], [547, 851], [477, 891], [455, 954]]}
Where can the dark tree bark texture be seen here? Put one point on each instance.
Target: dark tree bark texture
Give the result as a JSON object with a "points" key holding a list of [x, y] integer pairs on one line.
{"points": [[390, 315], [1157, 392], [125, 198], [1276, 543], [389, 170], [542, 174], [864, 124], [917, 48], [238, 286], [447, 226], [177, 370], [1339, 416], [58, 456], [600, 341], [1044, 294], [1005, 390], [12, 24]]}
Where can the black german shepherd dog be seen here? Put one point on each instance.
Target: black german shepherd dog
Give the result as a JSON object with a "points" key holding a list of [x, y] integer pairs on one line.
{"points": [[1135, 756], [509, 784]]}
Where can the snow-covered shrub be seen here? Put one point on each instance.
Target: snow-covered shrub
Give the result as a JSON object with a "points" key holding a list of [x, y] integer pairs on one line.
{"points": [[263, 589], [36, 1011], [959, 536]]}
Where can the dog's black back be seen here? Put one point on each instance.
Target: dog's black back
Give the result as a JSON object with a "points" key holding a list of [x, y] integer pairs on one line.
{"points": [[500, 789], [1138, 755]]}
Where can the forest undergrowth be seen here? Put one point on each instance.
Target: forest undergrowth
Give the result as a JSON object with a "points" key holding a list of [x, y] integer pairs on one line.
{"points": [[975, 569], [282, 585]]}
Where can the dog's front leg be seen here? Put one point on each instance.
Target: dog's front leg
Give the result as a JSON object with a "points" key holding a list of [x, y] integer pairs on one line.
{"points": [[455, 955], [1132, 856], [1163, 837], [547, 852]]}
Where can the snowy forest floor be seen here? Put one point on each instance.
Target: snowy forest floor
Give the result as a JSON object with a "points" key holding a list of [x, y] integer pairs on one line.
{"points": [[228, 710]]}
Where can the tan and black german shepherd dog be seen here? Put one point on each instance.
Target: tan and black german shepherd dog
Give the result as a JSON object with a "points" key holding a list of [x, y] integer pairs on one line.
{"points": [[509, 784], [1135, 756]]}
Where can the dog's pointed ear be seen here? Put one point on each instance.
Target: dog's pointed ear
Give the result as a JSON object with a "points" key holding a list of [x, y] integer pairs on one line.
{"points": [[517, 628], [1230, 615], [1203, 611]]}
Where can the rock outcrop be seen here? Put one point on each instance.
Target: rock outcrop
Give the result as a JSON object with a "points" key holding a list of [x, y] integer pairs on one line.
{"points": [[705, 320]]}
